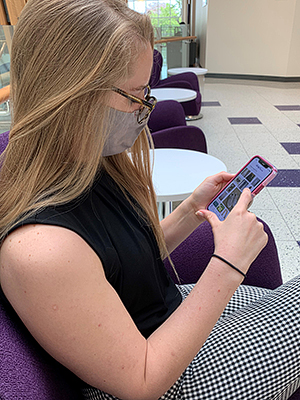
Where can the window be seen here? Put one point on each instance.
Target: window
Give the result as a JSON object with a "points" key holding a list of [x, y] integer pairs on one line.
{"points": [[164, 14], [166, 17]]}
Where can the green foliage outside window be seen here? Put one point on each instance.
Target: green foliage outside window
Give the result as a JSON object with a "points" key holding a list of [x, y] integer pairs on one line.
{"points": [[166, 15]]}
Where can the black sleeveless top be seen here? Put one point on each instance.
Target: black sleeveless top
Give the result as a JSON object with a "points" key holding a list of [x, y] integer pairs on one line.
{"points": [[127, 248]]}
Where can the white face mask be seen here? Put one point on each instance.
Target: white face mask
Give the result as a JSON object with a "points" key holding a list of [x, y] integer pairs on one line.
{"points": [[123, 133]]}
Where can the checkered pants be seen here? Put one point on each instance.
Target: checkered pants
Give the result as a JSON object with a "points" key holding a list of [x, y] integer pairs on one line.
{"points": [[253, 352]]}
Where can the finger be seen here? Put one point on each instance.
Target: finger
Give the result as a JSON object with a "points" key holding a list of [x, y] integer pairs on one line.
{"points": [[250, 204], [244, 200], [221, 177], [209, 216], [224, 176]]}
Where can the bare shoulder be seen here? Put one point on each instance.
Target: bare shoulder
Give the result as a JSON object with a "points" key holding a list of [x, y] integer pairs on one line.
{"points": [[41, 243], [35, 255]]}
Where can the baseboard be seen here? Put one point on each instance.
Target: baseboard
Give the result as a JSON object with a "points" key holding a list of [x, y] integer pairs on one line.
{"points": [[254, 77]]}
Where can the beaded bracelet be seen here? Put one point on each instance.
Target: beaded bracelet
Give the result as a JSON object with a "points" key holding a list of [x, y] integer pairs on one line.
{"points": [[231, 265]]}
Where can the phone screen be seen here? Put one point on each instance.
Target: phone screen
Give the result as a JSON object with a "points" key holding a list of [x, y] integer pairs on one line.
{"points": [[251, 176]]}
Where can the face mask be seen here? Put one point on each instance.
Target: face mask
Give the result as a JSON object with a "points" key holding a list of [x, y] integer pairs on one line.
{"points": [[123, 132]]}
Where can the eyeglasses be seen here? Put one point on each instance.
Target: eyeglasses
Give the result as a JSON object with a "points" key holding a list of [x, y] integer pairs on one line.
{"points": [[147, 105]]}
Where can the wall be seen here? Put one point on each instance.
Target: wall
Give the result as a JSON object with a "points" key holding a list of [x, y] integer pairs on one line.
{"points": [[253, 37], [294, 56], [14, 8], [201, 30], [3, 17]]}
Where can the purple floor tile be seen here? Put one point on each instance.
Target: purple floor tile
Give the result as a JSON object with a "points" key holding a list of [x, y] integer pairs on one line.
{"points": [[288, 108], [210, 104], [286, 178], [244, 120], [292, 147]]}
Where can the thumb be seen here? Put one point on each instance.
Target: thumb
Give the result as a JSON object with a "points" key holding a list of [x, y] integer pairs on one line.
{"points": [[209, 216]]}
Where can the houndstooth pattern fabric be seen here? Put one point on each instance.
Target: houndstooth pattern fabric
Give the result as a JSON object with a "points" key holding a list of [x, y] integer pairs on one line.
{"points": [[252, 353]]}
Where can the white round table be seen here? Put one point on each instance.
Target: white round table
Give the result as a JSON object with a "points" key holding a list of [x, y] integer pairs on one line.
{"points": [[178, 172], [195, 70], [177, 94]]}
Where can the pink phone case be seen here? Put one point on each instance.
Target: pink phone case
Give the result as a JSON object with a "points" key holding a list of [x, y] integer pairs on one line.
{"points": [[264, 183]]}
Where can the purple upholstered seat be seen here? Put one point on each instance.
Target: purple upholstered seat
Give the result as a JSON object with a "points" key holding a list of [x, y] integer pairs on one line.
{"points": [[186, 80], [168, 127], [156, 69], [166, 114], [192, 256], [26, 370], [180, 137], [3, 141]]}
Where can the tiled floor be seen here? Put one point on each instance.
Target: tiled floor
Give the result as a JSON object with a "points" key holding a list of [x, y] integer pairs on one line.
{"points": [[244, 118]]}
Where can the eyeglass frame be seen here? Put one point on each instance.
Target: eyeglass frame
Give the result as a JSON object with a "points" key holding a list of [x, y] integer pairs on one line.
{"points": [[144, 103]]}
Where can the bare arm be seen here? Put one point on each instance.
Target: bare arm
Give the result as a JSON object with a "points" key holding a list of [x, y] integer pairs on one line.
{"points": [[57, 285]]}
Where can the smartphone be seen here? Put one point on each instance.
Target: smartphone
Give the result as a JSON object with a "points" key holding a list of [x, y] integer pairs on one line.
{"points": [[255, 175]]}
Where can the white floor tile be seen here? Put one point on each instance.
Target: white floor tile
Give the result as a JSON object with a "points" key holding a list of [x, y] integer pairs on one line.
{"points": [[263, 143], [285, 198], [296, 158], [294, 116], [263, 201], [280, 124], [289, 257], [292, 218], [274, 219], [285, 135]]}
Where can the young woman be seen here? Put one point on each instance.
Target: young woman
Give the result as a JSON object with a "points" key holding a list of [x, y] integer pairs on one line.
{"points": [[82, 247]]}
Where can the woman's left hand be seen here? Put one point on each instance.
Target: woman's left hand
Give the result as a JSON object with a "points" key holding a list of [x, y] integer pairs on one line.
{"points": [[178, 225], [207, 190]]}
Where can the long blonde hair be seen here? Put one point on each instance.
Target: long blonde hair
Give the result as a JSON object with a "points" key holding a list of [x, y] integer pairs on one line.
{"points": [[66, 55]]}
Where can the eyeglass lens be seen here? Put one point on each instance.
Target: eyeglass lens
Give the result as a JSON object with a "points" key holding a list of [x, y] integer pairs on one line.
{"points": [[143, 114], [146, 92]]}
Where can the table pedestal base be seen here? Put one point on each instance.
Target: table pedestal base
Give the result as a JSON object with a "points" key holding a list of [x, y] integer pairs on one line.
{"points": [[164, 209], [193, 117]]}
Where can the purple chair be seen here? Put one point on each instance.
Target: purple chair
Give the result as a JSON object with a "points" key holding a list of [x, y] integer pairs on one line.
{"points": [[186, 80], [192, 256], [168, 128], [3, 141], [28, 372], [156, 69], [166, 114]]}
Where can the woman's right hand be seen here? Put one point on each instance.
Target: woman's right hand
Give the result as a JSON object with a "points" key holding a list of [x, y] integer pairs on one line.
{"points": [[240, 238]]}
